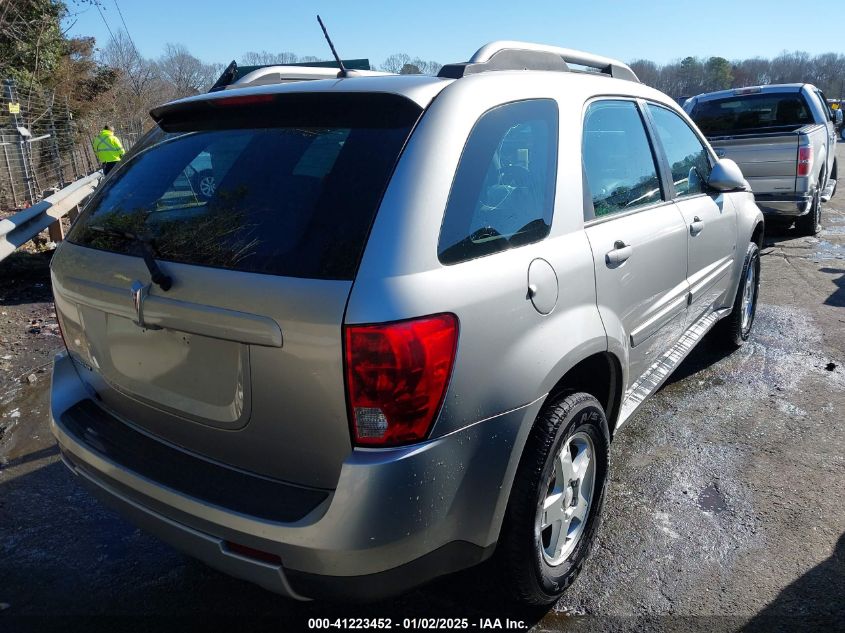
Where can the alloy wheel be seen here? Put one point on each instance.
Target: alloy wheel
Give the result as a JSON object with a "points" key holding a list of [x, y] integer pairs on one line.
{"points": [[568, 496]]}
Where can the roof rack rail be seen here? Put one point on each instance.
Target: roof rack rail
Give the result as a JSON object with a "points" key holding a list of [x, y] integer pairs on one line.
{"points": [[511, 55]]}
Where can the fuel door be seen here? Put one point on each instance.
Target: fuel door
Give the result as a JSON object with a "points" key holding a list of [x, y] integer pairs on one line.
{"points": [[542, 286]]}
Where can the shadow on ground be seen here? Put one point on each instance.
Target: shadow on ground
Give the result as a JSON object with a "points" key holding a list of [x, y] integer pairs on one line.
{"points": [[92, 570], [814, 602], [25, 278], [837, 299], [707, 353]]}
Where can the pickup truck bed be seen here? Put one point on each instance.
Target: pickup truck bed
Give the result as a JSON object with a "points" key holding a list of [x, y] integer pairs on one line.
{"points": [[768, 160]]}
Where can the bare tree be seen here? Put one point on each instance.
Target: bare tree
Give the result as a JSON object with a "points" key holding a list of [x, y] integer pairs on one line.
{"points": [[647, 71], [136, 73], [396, 62], [261, 58], [755, 71], [137, 87], [427, 67], [185, 74], [402, 64]]}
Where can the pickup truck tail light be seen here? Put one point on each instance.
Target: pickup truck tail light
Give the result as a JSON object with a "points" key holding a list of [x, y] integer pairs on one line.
{"points": [[805, 161], [396, 377]]}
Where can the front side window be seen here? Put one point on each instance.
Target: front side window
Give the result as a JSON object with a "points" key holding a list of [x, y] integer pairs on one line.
{"points": [[503, 193], [687, 156], [618, 161]]}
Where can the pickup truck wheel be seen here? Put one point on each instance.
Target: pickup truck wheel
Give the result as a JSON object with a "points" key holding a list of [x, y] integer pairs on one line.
{"points": [[735, 328], [556, 500], [809, 224]]}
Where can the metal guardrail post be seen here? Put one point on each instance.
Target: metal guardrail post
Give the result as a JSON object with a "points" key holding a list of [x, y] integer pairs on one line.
{"points": [[25, 225], [23, 146]]}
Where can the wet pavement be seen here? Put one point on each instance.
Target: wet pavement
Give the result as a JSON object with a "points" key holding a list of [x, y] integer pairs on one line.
{"points": [[725, 506]]}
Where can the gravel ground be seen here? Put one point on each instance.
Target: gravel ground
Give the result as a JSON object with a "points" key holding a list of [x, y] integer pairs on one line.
{"points": [[725, 508]]}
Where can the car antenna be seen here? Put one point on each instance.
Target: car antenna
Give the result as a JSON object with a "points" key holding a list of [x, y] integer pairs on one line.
{"points": [[343, 72]]}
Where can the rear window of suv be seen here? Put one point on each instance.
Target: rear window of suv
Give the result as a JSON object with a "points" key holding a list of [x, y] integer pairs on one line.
{"points": [[288, 187], [503, 193], [748, 113]]}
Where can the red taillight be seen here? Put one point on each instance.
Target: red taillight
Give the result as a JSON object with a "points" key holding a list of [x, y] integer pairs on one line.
{"points": [[805, 161], [396, 376]]}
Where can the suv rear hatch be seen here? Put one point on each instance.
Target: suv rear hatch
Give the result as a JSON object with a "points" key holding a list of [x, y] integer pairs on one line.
{"points": [[761, 132], [240, 360]]}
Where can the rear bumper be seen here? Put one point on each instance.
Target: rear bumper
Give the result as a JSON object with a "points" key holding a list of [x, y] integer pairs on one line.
{"points": [[786, 205], [398, 517]]}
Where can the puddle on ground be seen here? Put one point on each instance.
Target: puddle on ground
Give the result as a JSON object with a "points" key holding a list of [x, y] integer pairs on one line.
{"points": [[712, 500], [828, 250]]}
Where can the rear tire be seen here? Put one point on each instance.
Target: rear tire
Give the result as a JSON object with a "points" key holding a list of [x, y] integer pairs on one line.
{"points": [[809, 224], [734, 329], [537, 569]]}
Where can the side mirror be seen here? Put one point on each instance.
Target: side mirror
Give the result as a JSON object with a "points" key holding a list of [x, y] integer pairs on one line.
{"points": [[727, 176], [838, 116]]}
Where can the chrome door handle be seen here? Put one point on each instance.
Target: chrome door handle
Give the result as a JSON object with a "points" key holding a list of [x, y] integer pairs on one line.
{"points": [[697, 226], [619, 255]]}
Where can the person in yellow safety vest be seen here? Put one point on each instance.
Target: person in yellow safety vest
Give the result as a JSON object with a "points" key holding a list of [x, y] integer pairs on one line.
{"points": [[108, 148]]}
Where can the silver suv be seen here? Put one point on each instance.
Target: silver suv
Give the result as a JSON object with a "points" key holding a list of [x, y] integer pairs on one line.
{"points": [[399, 335]]}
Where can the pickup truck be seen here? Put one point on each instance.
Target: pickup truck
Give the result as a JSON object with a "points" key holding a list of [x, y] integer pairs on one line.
{"points": [[784, 139]]}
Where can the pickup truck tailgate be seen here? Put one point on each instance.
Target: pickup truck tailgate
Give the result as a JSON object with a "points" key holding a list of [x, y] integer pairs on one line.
{"points": [[768, 161]]}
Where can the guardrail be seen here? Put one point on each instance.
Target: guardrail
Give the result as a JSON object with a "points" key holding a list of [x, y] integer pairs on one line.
{"points": [[18, 229]]}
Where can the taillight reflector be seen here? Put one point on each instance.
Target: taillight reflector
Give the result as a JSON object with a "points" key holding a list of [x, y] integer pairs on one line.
{"points": [[251, 552], [59, 323], [396, 377], [805, 161]]}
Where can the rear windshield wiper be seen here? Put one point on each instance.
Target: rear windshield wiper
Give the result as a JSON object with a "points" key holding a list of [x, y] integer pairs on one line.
{"points": [[162, 280]]}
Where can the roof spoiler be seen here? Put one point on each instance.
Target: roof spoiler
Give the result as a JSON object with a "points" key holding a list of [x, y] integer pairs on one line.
{"points": [[234, 72]]}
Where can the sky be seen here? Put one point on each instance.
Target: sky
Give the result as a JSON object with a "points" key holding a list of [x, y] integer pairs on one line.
{"points": [[451, 30]]}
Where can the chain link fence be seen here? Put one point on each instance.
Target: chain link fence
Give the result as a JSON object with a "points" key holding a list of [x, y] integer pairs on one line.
{"points": [[43, 148]]}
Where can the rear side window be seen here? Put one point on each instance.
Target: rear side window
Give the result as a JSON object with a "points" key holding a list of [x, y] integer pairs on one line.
{"points": [[828, 111], [618, 160], [503, 193], [687, 156], [748, 113], [285, 189]]}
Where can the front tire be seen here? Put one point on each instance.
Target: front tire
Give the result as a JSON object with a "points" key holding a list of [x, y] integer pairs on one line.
{"points": [[735, 328], [556, 499]]}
